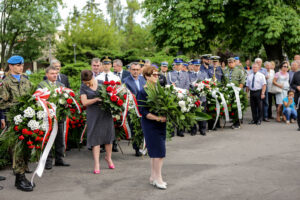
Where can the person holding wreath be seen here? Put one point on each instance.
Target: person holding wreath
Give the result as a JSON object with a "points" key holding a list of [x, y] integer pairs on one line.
{"points": [[154, 129]]}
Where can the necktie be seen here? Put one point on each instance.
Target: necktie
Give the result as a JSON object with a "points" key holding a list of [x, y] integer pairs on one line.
{"points": [[119, 74], [106, 77], [253, 80], [230, 73], [59, 78]]}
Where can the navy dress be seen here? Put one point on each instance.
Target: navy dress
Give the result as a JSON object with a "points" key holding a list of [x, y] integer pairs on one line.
{"points": [[154, 132]]}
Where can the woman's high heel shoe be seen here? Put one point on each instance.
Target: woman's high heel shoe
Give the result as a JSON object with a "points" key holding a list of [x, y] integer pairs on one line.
{"points": [[152, 183], [112, 166], [96, 171], [159, 186]]}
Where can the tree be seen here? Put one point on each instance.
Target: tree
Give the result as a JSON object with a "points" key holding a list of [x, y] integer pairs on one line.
{"points": [[114, 9], [193, 25], [26, 22]]}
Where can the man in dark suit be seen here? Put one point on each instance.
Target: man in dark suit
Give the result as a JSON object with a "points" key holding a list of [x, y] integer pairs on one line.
{"points": [[52, 83], [295, 84], [60, 77], [118, 70], [134, 82]]}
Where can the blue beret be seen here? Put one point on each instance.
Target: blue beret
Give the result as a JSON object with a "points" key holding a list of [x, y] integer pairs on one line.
{"points": [[164, 63], [196, 62], [236, 58], [15, 60], [185, 64], [178, 61]]}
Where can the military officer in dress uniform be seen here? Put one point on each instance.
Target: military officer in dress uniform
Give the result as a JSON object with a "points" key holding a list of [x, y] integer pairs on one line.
{"points": [[206, 66], [177, 77], [199, 75], [217, 70], [234, 75], [164, 68], [15, 85]]}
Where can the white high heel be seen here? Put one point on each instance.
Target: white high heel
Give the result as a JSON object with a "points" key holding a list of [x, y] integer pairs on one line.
{"points": [[159, 186], [152, 183]]}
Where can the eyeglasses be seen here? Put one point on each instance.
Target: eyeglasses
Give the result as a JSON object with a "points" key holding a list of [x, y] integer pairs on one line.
{"points": [[285, 66], [155, 74]]}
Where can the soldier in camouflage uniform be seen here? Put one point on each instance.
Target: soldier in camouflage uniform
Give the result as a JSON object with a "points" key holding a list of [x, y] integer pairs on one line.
{"points": [[233, 74], [13, 86]]}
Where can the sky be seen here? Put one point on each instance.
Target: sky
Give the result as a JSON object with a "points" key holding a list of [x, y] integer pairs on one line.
{"points": [[69, 4]]}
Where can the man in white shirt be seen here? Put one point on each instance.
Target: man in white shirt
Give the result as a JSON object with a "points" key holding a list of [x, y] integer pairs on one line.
{"points": [[107, 75], [256, 84]]}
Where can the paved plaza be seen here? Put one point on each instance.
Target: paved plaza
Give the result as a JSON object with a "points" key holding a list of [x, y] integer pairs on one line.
{"points": [[253, 163]]}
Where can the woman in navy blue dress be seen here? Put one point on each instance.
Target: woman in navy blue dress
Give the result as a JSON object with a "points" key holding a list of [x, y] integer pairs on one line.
{"points": [[154, 129]]}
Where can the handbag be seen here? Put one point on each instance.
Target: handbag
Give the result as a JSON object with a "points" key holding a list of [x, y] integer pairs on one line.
{"points": [[275, 89]]}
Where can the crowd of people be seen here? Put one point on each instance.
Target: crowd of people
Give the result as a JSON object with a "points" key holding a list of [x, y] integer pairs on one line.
{"points": [[264, 85]]}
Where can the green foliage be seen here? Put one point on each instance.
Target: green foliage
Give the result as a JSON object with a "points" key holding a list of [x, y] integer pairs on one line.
{"points": [[25, 24], [37, 77]]}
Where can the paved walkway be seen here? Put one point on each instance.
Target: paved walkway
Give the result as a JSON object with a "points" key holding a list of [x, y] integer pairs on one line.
{"points": [[253, 163]]}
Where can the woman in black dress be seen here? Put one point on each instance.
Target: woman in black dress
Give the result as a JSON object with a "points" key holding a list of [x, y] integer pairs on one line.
{"points": [[100, 125], [154, 129]]}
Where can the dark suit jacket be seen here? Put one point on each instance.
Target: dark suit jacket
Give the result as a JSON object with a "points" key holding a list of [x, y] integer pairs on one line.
{"points": [[125, 74], [46, 84], [130, 84], [296, 82], [63, 79]]}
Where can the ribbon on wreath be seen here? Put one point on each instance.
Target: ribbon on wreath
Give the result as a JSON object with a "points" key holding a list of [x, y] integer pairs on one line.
{"points": [[224, 104], [61, 89], [41, 95], [236, 91], [66, 131]]}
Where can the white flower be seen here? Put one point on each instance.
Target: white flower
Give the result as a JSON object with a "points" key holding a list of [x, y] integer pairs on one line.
{"points": [[183, 109], [29, 112], [180, 95], [40, 115], [52, 113], [44, 126], [181, 104], [66, 95], [54, 95], [18, 119], [33, 125], [167, 86], [189, 100], [62, 101]]}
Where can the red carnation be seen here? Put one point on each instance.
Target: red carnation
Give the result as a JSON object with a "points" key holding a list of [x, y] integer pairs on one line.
{"points": [[16, 128], [115, 119], [72, 110], [221, 113], [73, 126], [109, 89], [79, 125], [31, 147], [125, 96], [113, 98], [37, 147], [120, 102], [41, 133], [112, 83], [21, 137], [37, 138], [36, 131], [118, 83], [232, 114], [72, 94], [29, 142], [106, 83], [73, 122], [81, 121], [223, 108], [77, 121], [24, 131], [69, 101], [29, 133], [74, 118]]}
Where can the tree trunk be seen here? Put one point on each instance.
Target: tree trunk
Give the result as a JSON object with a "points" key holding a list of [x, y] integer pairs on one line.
{"points": [[274, 52]]}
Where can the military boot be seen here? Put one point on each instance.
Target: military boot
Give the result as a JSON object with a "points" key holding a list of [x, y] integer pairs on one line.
{"points": [[22, 183]]}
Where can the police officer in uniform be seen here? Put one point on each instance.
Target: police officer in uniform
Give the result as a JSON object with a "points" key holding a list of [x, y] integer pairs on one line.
{"points": [[179, 79], [233, 74], [51, 83], [217, 74], [206, 67], [164, 68], [15, 85], [199, 75]]}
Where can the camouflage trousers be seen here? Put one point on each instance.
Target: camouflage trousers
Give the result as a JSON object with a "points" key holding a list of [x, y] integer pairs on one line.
{"points": [[20, 160]]}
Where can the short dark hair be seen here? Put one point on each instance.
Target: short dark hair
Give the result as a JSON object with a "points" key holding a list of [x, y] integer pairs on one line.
{"points": [[48, 69], [281, 64], [291, 90]]}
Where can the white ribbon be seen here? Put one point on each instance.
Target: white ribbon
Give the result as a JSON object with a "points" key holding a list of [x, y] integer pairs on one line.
{"points": [[41, 165], [224, 106], [237, 97], [214, 95]]}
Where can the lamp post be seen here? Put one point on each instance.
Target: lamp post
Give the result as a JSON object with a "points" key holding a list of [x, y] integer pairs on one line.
{"points": [[74, 45], [49, 38]]}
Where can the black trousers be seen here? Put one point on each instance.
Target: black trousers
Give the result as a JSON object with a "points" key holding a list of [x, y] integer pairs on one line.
{"points": [[58, 145], [271, 97], [256, 105]]}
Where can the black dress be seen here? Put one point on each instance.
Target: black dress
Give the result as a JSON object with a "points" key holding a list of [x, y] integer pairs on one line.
{"points": [[100, 125], [154, 132]]}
